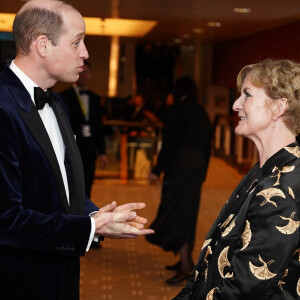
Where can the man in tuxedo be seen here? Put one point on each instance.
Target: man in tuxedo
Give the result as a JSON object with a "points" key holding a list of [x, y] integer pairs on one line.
{"points": [[46, 221], [85, 113]]}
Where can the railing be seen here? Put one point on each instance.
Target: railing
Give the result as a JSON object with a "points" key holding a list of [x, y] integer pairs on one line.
{"points": [[126, 141]]}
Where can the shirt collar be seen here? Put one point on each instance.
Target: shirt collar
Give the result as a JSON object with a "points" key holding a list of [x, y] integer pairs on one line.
{"points": [[27, 82]]}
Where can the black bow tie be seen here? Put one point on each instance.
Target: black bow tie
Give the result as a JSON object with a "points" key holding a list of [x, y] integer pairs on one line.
{"points": [[41, 97], [85, 92]]}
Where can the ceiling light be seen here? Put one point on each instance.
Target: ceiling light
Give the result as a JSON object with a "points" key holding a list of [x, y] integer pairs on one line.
{"points": [[213, 24], [198, 30], [241, 10], [118, 27], [98, 26]]}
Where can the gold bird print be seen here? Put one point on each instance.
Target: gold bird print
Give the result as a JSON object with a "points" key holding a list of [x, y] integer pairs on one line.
{"points": [[281, 282], [269, 193], [298, 287], [196, 275], [246, 236], [262, 273], [293, 150], [205, 274], [291, 226], [206, 242], [291, 192], [227, 221], [251, 186], [210, 295], [285, 169], [224, 262], [297, 252], [208, 252], [229, 228]]}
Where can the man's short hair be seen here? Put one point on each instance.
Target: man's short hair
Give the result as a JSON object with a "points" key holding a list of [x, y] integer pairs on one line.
{"points": [[35, 21]]}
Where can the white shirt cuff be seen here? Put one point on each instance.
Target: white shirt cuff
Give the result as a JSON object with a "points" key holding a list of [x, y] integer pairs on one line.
{"points": [[92, 234]]}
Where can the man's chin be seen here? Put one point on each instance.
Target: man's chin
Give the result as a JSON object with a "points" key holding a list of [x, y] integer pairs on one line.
{"points": [[70, 79]]}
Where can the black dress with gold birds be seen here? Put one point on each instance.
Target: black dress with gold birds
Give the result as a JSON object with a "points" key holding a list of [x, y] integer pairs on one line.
{"points": [[252, 250]]}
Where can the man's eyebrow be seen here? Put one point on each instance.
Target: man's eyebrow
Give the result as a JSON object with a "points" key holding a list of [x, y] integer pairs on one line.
{"points": [[79, 35]]}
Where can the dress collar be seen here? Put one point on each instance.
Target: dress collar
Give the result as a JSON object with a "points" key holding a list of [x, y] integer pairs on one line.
{"points": [[282, 156]]}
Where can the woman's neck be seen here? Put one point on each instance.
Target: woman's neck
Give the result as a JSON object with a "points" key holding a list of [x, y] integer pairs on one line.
{"points": [[272, 143]]}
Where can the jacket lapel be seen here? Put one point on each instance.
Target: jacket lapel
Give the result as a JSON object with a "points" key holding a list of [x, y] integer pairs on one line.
{"points": [[34, 123], [74, 165]]}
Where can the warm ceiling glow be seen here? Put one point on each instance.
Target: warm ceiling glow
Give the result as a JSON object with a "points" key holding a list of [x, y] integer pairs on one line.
{"points": [[213, 24], [242, 10], [6, 22], [98, 26], [118, 27]]}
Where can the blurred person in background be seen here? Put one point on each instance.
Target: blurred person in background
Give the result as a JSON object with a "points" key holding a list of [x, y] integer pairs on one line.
{"points": [[86, 122], [183, 159]]}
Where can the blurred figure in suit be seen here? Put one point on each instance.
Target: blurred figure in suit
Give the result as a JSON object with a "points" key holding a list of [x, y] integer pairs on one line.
{"points": [[85, 112]]}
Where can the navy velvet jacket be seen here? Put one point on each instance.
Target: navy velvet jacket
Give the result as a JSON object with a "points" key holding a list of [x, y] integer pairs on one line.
{"points": [[252, 250], [36, 222]]}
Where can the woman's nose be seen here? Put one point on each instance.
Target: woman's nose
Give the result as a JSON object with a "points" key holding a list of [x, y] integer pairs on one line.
{"points": [[237, 105]]}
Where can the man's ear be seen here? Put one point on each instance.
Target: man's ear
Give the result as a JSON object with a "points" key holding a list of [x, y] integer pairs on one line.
{"points": [[42, 44]]}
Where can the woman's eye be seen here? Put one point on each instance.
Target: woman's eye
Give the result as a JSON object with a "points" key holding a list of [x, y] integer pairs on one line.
{"points": [[247, 95]]}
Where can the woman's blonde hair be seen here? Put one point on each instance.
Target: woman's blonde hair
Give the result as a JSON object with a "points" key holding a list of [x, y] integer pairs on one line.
{"points": [[279, 79]]}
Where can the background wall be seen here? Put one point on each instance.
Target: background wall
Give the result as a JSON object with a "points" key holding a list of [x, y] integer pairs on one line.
{"points": [[230, 57]]}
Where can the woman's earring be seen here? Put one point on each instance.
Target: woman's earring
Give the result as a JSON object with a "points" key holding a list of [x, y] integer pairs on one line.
{"points": [[274, 124]]}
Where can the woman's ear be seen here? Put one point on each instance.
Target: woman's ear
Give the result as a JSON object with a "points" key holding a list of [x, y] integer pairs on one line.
{"points": [[41, 44], [281, 106]]}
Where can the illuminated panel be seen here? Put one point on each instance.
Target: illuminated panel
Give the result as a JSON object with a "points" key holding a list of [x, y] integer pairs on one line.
{"points": [[98, 26]]}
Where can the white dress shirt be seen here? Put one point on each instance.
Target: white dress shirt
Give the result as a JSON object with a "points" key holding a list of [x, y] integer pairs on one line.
{"points": [[49, 120]]}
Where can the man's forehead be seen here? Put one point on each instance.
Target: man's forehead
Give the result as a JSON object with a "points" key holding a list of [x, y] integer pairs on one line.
{"points": [[73, 23]]}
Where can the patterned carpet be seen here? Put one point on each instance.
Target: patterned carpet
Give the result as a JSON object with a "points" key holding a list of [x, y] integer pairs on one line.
{"points": [[135, 269]]}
